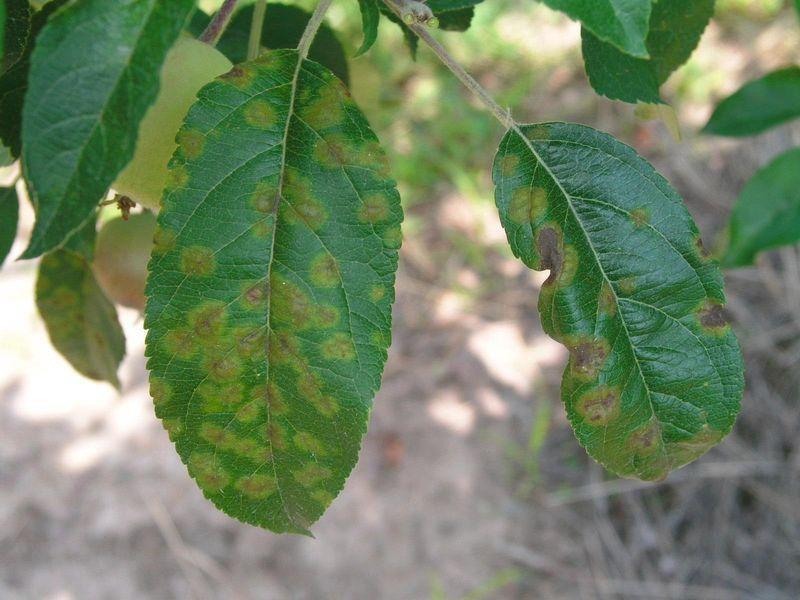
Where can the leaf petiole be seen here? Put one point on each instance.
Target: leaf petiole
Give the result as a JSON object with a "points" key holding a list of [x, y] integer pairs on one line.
{"points": [[256, 27], [218, 24]]}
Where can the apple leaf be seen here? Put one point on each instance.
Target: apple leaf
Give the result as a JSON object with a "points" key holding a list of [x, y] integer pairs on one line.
{"points": [[655, 373], [676, 27], [9, 215], [270, 289], [622, 23], [767, 213], [759, 105], [370, 18], [82, 323], [14, 82], [94, 72], [15, 30]]}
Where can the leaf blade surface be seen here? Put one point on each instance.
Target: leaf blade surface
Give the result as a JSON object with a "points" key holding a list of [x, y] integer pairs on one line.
{"points": [[655, 374], [270, 290]]}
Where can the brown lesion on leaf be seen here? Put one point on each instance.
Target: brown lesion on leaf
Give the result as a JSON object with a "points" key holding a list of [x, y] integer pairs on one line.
{"points": [[599, 406], [640, 216], [191, 142], [181, 343], [527, 205], [509, 164], [646, 440], [163, 239], [324, 271], [239, 76], [251, 342], [160, 391], [276, 435], [338, 346], [312, 473], [702, 251], [225, 367], [264, 197], [587, 356], [551, 256], [198, 261], [607, 300], [255, 295], [711, 316], [257, 486], [208, 319], [627, 285]]}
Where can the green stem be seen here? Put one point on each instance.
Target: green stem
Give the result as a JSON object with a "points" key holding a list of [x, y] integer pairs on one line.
{"points": [[469, 82], [256, 27], [218, 24], [311, 28]]}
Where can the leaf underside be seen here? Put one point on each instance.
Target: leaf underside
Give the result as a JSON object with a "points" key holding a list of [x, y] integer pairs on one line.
{"points": [[759, 105], [270, 289], [655, 374], [622, 23], [94, 72], [767, 213], [82, 324], [676, 27]]}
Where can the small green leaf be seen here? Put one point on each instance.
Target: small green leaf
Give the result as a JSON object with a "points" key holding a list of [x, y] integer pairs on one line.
{"points": [[9, 215], [14, 82], [454, 15], [758, 105], [767, 213], [16, 30], [654, 377], [676, 27], [283, 27], [82, 323], [270, 289], [370, 18], [622, 23], [94, 72]]}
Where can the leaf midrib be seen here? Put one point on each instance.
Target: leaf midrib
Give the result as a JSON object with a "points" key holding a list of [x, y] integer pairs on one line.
{"points": [[517, 130]]}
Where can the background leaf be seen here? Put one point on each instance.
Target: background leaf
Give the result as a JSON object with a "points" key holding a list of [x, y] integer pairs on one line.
{"points": [[9, 215], [94, 72], [14, 83], [622, 23], [759, 105], [676, 27], [270, 289], [283, 28], [81, 322], [767, 213], [655, 373], [16, 30], [370, 18]]}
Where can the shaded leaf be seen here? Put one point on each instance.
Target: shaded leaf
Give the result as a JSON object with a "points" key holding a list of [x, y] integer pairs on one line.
{"points": [[81, 322], [655, 373], [767, 213], [283, 28], [676, 27], [270, 289], [14, 82], [453, 15], [622, 23], [94, 72], [759, 105], [370, 18], [9, 215], [16, 30]]}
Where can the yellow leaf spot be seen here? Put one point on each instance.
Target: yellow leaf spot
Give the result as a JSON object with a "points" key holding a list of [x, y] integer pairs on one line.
{"points": [[258, 486], [311, 474], [324, 271], [339, 346], [197, 261]]}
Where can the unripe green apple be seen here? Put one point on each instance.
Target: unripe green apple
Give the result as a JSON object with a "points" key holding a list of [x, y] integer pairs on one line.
{"points": [[121, 253], [188, 66]]}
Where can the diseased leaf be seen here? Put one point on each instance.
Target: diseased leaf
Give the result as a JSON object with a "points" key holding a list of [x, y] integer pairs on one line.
{"points": [[94, 72], [9, 215], [622, 23], [82, 323], [370, 18], [676, 27], [14, 82], [767, 213], [283, 27], [270, 289], [655, 373], [759, 105], [16, 29]]}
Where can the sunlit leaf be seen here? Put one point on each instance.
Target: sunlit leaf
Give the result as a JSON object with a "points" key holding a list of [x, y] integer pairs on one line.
{"points": [[759, 105], [370, 18], [767, 213], [82, 323], [676, 27], [283, 27], [9, 215], [655, 373], [622, 23], [270, 289], [94, 72]]}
